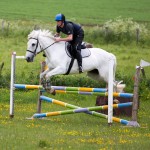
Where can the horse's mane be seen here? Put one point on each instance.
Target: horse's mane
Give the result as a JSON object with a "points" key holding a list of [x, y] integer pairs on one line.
{"points": [[36, 33]]}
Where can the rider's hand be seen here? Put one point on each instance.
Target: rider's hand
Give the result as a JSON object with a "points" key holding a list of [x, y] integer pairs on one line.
{"points": [[57, 39]]}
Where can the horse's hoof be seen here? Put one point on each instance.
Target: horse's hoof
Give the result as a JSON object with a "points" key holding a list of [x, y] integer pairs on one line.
{"points": [[51, 91], [43, 83], [48, 84]]}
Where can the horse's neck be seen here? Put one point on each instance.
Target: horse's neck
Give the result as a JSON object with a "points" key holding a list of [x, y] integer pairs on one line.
{"points": [[53, 51], [46, 41]]}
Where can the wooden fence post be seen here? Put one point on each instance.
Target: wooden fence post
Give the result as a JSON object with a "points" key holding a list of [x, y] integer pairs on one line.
{"points": [[143, 72], [137, 35], [8, 27], [106, 34], [3, 25], [135, 99], [43, 64]]}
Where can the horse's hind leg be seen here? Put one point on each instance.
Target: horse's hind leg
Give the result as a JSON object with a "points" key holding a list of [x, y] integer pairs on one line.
{"points": [[98, 74], [93, 74]]}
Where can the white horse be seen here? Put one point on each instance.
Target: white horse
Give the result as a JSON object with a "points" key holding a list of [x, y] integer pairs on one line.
{"points": [[58, 61]]}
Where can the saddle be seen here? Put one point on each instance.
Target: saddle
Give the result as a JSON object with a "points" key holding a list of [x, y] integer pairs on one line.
{"points": [[85, 52]]}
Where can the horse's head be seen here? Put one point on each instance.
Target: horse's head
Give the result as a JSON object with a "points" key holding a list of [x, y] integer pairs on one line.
{"points": [[33, 47], [35, 44]]}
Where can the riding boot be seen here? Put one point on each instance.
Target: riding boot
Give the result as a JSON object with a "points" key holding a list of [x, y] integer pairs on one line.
{"points": [[79, 60], [80, 69]]}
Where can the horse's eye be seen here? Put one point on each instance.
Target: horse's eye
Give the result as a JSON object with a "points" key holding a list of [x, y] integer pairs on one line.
{"points": [[33, 44]]}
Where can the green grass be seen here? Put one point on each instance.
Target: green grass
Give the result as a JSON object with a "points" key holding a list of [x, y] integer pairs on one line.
{"points": [[77, 131], [83, 11]]}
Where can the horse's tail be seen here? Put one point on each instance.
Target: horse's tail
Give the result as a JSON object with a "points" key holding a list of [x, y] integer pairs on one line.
{"points": [[113, 57], [114, 67], [118, 87]]}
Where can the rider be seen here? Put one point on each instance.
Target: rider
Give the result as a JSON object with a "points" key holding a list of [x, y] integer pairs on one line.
{"points": [[75, 36]]}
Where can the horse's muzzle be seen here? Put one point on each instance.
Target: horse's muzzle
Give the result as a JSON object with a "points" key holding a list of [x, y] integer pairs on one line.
{"points": [[28, 59]]}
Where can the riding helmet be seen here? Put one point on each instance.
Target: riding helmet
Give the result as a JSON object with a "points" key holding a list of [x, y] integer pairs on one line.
{"points": [[60, 17]]}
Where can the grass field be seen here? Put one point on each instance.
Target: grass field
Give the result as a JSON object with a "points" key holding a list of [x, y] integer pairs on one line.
{"points": [[83, 11], [77, 131]]}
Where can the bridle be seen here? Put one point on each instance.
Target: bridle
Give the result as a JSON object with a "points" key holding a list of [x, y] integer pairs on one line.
{"points": [[38, 44]]}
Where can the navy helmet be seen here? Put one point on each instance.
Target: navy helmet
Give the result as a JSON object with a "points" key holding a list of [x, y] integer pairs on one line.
{"points": [[60, 17]]}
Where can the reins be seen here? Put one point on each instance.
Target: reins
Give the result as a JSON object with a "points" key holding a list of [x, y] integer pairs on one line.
{"points": [[46, 47]]}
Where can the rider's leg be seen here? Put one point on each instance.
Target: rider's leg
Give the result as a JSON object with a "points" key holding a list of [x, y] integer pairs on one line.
{"points": [[77, 53], [76, 45]]}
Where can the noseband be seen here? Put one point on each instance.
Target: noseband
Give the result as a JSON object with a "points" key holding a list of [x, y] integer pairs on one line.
{"points": [[38, 43]]}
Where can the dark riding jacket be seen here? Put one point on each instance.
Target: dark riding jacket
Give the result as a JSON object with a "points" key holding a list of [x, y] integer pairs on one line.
{"points": [[71, 28], [78, 36]]}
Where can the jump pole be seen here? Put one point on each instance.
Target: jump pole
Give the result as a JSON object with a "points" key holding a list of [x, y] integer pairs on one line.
{"points": [[97, 91], [58, 102], [61, 88], [12, 81], [83, 89], [115, 94], [80, 110]]}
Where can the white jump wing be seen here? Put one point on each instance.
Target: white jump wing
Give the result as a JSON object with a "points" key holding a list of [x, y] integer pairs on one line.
{"points": [[144, 63]]}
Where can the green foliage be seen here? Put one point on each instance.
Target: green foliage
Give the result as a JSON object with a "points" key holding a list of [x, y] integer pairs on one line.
{"points": [[15, 29], [124, 30], [120, 31], [144, 89], [43, 144], [128, 80], [117, 31], [76, 81], [5, 80]]}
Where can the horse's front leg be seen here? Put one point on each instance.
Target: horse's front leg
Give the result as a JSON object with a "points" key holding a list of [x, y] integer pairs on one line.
{"points": [[55, 71], [42, 77]]}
